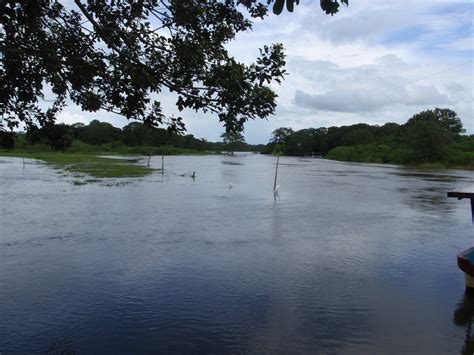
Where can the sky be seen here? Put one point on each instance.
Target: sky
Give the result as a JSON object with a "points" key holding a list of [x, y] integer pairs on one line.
{"points": [[373, 62]]}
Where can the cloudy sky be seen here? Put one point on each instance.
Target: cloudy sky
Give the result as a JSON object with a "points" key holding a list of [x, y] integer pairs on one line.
{"points": [[373, 62]]}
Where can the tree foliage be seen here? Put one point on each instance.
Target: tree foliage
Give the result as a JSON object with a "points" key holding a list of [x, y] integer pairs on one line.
{"points": [[121, 55], [428, 139], [97, 132], [280, 135], [446, 118], [233, 141], [102, 137], [7, 140], [328, 6], [429, 136], [332, 6], [57, 136]]}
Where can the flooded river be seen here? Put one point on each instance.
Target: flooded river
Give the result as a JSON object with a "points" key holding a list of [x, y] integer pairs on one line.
{"points": [[351, 259]]}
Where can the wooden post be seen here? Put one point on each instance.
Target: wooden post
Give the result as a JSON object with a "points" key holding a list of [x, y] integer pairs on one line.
{"points": [[149, 157], [276, 174], [23, 162], [162, 165]]}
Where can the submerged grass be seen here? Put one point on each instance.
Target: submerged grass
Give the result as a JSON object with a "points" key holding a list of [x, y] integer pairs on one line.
{"points": [[93, 166]]}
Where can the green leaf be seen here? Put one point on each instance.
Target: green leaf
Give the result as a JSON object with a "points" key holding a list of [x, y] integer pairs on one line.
{"points": [[278, 7], [290, 5]]}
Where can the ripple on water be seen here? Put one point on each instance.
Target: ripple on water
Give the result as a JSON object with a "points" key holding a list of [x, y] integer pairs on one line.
{"points": [[352, 258]]}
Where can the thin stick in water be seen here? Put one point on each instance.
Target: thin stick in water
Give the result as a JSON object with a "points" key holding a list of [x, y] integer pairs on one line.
{"points": [[276, 174]]}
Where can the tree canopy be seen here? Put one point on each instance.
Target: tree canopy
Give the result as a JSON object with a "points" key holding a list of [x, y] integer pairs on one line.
{"points": [[328, 6], [233, 141], [430, 136], [279, 135], [446, 118], [120, 56], [102, 137]]}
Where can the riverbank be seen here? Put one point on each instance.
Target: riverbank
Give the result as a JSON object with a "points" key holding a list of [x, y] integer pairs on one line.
{"points": [[423, 166]]}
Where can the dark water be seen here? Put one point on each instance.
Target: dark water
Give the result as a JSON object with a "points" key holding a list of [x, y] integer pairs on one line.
{"points": [[352, 259]]}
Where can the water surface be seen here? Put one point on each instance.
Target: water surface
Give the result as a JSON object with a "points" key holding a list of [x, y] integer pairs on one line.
{"points": [[352, 258]]}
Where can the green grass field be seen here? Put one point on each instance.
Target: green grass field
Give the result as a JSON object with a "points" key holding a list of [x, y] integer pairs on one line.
{"points": [[89, 164]]}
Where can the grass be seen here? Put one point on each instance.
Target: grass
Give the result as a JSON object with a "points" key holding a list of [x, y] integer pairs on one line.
{"points": [[111, 148], [93, 166]]}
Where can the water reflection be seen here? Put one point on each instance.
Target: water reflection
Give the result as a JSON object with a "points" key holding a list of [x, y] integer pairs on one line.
{"points": [[426, 190], [433, 176], [340, 264], [423, 198], [226, 162], [463, 317]]}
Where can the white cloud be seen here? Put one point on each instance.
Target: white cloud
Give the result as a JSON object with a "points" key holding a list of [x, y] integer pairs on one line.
{"points": [[365, 88], [69, 118], [461, 44], [374, 62]]}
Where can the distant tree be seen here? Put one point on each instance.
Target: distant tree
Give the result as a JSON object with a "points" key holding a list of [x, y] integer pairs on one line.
{"points": [[449, 120], [320, 141], [357, 136], [136, 134], [57, 136], [388, 129], [445, 117], [301, 142], [279, 135], [98, 133], [429, 136], [33, 135], [428, 139], [7, 140], [232, 141], [277, 141], [76, 127], [257, 148], [187, 141]]}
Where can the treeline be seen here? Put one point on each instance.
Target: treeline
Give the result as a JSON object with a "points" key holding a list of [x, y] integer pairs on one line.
{"points": [[103, 136], [432, 136]]}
